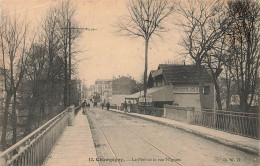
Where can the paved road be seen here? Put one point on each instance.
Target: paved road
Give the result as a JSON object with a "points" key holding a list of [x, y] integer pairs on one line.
{"points": [[138, 142]]}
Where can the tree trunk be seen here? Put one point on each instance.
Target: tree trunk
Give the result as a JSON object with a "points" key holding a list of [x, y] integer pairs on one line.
{"points": [[200, 87], [218, 97], [14, 120], [28, 128], [5, 122], [145, 71]]}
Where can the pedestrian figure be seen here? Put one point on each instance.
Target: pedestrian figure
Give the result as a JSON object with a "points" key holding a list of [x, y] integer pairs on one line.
{"points": [[108, 105], [88, 106], [125, 107], [84, 106], [102, 105]]}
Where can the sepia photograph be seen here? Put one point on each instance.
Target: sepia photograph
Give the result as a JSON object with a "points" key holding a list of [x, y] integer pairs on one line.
{"points": [[129, 82]]}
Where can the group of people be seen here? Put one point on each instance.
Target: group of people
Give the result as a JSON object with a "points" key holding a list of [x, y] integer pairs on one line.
{"points": [[125, 107], [85, 106], [107, 105]]}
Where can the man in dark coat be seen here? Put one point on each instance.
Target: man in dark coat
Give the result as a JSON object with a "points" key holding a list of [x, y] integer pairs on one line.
{"points": [[125, 107], [108, 105], [84, 106]]}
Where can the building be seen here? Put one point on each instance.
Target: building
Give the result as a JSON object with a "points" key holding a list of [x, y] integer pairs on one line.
{"points": [[77, 93], [112, 90], [121, 87], [178, 85], [103, 89]]}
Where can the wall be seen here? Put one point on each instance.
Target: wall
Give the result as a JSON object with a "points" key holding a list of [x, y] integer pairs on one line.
{"points": [[209, 99], [189, 96], [187, 100], [183, 114]]}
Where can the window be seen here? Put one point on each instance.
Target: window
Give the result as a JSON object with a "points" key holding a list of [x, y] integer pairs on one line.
{"points": [[206, 89]]}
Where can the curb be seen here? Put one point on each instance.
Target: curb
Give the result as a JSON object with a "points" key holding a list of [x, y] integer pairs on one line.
{"points": [[228, 143]]}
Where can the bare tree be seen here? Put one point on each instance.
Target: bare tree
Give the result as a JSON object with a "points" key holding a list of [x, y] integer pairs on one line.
{"points": [[244, 45], [58, 41], [204, 23], [145, 18], [68, 33], [34, 87], [52, 42], [14, 44]]}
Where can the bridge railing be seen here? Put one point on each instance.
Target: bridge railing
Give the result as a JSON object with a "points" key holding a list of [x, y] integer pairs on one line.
{"points": [[35, 147], [245, 124]]}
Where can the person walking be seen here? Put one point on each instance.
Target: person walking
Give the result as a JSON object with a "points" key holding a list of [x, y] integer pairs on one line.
{"points": [[108, 105], [88, 106], [125, 107], [84, 106]]}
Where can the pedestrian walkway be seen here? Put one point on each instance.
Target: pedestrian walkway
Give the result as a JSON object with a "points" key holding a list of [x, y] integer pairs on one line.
{"points": [[75, 146], [235, 141]]}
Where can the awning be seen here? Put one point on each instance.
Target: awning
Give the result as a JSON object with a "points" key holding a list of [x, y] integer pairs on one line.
{"points": [[163, 93]]}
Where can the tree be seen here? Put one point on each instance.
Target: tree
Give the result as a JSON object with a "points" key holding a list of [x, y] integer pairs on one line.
{"points": [[34, 91], [68, 33], [59, 42], [52, 42], [203, 25], [14, 45], [145, 18], [244, 36]]}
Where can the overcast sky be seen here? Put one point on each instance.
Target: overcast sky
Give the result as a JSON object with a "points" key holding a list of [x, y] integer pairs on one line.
{"points": [[107, 53]]}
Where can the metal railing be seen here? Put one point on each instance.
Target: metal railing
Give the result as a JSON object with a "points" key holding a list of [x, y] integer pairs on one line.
{"points": [[245, 124], [35, 147]]}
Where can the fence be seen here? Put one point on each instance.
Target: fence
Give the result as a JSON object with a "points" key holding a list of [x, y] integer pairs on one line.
{"points": [[34, 148], [245, 124], [152, 111]]}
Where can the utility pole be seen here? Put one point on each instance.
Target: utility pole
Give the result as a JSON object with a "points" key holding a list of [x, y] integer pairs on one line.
{"points": [[69, 77], [69, 63]]}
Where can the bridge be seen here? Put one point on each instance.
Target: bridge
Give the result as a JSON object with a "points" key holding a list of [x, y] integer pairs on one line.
{"points": [[119, 138]]}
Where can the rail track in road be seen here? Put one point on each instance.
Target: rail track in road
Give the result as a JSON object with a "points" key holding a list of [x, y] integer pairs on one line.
{"points": [[126, 140], [144, 139]]}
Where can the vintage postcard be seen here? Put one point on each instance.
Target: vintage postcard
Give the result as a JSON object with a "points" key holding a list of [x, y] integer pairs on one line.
{"points": [[129, 82]]}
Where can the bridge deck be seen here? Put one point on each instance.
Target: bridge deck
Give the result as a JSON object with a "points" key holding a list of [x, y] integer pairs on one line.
{"points": [[75, 146]]}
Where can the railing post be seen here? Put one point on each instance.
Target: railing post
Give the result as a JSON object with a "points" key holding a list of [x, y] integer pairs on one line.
{"points": [[71, 115], [214, 118], [190, 115], [3, 162]]}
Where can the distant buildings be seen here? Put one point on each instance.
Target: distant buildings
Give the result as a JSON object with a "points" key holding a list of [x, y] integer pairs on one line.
{"points": [[170, 84], [79, 91], [111, 90]]}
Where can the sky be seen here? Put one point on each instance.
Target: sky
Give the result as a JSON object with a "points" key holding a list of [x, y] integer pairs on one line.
{"points": [[106, 53]]}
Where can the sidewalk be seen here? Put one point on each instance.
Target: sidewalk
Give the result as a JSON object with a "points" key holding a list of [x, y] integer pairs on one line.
{"points": [[245, 144], [75, 147]]}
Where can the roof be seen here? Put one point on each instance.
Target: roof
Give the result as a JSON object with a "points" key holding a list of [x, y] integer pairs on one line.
{"points": [[148, 92], [184, 74]]}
